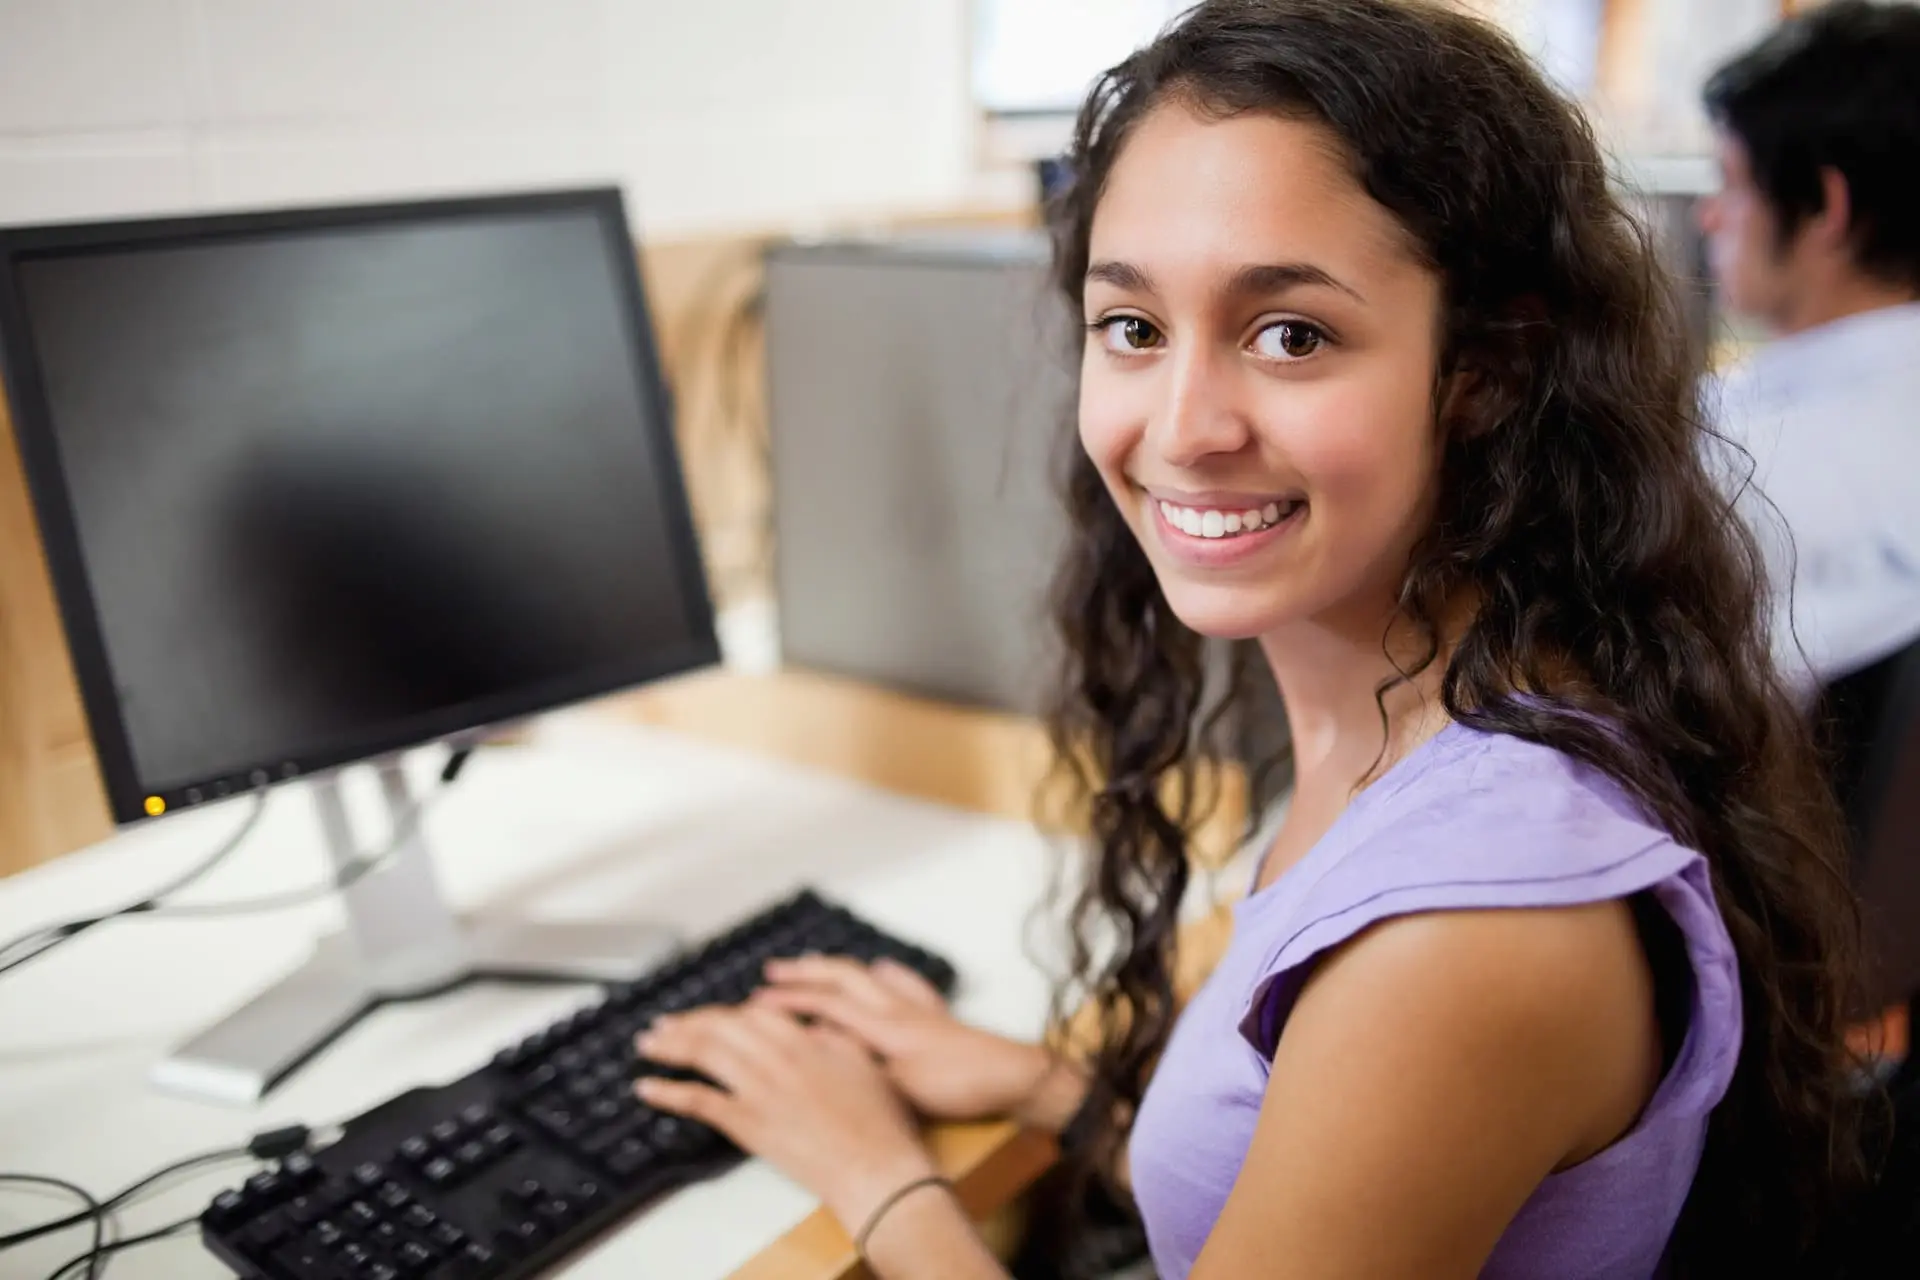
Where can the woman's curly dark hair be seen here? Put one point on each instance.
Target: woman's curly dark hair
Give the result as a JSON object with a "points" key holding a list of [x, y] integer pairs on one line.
{"points": [[1577, 507]]}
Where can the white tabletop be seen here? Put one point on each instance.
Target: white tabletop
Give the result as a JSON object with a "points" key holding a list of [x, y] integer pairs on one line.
{"points": [[592, 819]]}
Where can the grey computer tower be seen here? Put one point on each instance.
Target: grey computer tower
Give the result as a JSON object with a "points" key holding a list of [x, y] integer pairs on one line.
{"points": [[920, 409]]}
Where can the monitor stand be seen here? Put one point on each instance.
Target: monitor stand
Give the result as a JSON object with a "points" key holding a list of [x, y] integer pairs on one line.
{"points": [[402, 942]]}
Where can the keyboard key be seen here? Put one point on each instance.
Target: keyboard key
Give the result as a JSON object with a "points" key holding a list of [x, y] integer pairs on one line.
{"points": [[356, 1255], [387, 1236], [628, 1158], [557, 1120], [416, 1150], [473, 1155], [393, 1196], [419, 1217], [380, 1271], [265, 1188], [526, 1192], [556, 1213], [523, 1236], [360, 1215], [327, 1234], [446, 1133], [441, 1172], [305, 1262], [227, 1208], [414, 1256], [299, 1170], [478, 1255], [304, 1211], [500, 1139], [601, 1141], [446, 1235], [264, 1235], [477, 1116], [369, 1175]]}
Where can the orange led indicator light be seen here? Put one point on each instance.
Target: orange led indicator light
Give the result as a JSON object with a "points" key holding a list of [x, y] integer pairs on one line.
{"points": [[155, 806]]}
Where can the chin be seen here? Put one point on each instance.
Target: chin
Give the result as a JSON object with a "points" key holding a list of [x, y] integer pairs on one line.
{"points": [[1226, 612]]}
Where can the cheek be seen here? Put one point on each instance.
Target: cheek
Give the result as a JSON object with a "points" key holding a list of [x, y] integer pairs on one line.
{"points": [[1363, 449], [1110, 424]]}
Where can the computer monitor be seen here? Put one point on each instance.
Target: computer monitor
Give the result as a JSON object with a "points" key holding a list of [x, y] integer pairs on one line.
{"points": [[319, 486]]}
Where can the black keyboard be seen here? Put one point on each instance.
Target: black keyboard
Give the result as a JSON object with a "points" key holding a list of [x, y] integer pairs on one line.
{"points": [[505, 1172]]}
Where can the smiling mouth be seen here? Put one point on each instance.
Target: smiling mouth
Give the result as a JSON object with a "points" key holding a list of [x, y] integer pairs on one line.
{"points": [[1216, 522]]}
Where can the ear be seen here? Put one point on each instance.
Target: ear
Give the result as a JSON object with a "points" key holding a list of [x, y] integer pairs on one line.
{"points": [[1474, 395], [1832, 227]]}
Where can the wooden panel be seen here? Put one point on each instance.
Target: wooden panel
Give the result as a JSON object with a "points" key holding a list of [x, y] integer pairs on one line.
{"points": [[51, 800]]}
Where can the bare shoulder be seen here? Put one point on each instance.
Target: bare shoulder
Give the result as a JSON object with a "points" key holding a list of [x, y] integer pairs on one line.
{"points": [[1434, 1071], [1559, 994]]}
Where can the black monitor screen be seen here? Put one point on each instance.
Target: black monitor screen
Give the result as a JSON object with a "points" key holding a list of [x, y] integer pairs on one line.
{"points": [[339, 486]]}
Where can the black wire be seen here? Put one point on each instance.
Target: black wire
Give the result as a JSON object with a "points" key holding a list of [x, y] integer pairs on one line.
{"points": [[100, 1252], [220, 1156], [155, 903], [100, 1208], [51, 936], [94, 1210]]}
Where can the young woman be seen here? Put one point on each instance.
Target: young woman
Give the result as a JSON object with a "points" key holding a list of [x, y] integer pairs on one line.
{"points": [[1545, 974]]}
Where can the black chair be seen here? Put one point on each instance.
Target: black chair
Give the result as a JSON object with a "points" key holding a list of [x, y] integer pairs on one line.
{"points": [[1871, 719], [1871, 722]]}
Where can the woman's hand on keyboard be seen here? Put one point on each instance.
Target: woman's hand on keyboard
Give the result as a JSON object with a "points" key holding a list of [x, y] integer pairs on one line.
{"points": [[811, 1100], [945, 1068]]}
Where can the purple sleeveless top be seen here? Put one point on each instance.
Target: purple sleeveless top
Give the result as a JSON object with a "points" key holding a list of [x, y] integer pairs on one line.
{"points": [[1468, 820]]}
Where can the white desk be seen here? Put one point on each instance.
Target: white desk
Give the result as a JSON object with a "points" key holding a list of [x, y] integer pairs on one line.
{"points": [[592, 818]]}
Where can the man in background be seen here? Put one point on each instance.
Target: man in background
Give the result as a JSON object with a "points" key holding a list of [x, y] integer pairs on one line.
{"points": [[1815, 234]]}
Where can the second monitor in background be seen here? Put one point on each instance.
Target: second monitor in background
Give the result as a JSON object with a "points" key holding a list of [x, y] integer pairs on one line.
{"points": [[917, 389]]}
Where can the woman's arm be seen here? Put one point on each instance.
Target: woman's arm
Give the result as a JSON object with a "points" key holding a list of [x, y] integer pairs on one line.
{"points": [[927, 1237], [1431, 1074]]}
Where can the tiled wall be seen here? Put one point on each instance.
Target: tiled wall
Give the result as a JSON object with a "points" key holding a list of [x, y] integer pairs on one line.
{"points": [[713, 114]]}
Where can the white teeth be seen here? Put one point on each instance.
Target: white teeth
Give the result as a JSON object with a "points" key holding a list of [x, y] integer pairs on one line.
{"points": [[1196, 523]]}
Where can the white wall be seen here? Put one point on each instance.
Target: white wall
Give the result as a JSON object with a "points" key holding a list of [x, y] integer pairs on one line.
{"points": [[713, 114]]}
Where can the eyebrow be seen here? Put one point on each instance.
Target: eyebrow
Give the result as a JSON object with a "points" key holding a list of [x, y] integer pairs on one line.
{"points": [[1252, 280]]}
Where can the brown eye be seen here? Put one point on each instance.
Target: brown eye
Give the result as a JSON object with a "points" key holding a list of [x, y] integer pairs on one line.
{"points": [[1288, 340], [1124, 334]]}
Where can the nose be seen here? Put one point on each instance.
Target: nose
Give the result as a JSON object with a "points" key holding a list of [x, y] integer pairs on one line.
{"points": [[1200, 415]]}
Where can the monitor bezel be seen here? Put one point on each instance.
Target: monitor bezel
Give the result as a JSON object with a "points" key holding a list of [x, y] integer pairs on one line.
{"points": [[132, 798]]}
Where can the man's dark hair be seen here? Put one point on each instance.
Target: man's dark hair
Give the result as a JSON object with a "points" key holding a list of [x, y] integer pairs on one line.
{"points": [[1839, 88]]}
